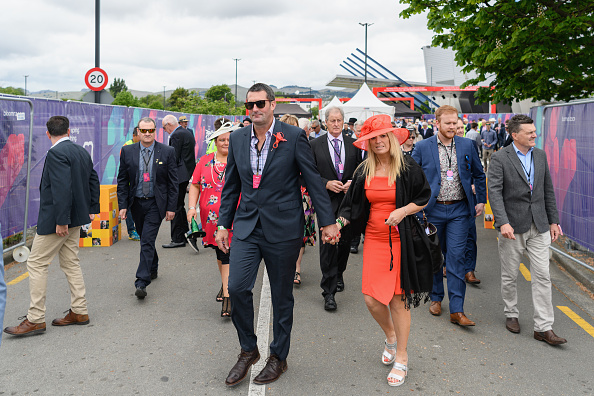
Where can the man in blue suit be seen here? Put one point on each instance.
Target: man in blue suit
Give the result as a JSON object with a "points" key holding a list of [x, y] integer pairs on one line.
{"points": [[264, 163], [451, 165]]}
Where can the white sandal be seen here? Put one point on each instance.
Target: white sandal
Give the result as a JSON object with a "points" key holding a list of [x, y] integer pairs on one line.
{"points": [[399, 378], [387, 357]]}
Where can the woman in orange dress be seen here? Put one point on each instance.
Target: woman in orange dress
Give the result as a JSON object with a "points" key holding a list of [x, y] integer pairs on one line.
{"points": [[386, 188]]}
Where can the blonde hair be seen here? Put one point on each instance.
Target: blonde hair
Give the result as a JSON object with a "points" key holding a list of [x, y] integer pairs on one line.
{"points": [[395, 167], [290, 119]]}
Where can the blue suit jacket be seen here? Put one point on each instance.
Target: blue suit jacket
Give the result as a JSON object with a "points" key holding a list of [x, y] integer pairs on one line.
{"points": [[277, 202], [470, 169]]}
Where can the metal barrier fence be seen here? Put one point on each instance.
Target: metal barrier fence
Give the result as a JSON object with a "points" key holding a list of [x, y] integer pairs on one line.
{"points": [[12, 158]]}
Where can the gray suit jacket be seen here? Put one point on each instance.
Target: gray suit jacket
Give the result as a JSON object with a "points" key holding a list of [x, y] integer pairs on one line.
{"points": [[509, 192]]}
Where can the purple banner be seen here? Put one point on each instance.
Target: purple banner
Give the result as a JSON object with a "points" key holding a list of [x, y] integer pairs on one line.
{"points": [[100, 129], [475, 116], [565, 133]]}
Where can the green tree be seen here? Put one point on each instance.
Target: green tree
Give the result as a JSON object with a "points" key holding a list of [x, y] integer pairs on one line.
{"points": [[541, 49], [125, 98], [197, 105], [314, 112], [118, 85], [219, 92], [12, 91], [151, 101], [178, 98]]}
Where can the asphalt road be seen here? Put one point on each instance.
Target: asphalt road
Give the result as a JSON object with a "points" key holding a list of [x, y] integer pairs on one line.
{"points": [[175, 342]]}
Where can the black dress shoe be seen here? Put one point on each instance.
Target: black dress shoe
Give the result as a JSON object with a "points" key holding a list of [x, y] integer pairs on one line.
{"points": [[272, 371], [244, 362], [329, 302], [140, 292], [354, 249], [174, 245], [339, 286], [154, 275]]}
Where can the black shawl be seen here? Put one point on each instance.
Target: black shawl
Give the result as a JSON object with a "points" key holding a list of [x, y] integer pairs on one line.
{"points": [[416, 277]]}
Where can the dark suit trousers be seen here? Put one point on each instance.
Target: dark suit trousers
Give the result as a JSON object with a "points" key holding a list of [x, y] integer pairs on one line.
{"points": [[148, 220], [179, 224], [333, 262], [471, 248], [280, 259]]}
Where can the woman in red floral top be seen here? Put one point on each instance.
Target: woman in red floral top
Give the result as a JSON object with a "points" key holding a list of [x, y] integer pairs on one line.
{"points": [[207, 184]]}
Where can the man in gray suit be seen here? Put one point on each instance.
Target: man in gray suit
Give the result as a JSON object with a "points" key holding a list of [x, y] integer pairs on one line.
{"points": [[523, 202]]}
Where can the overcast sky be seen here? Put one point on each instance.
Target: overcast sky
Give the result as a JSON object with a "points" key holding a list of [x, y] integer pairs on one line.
{"points": [[192, 43]]}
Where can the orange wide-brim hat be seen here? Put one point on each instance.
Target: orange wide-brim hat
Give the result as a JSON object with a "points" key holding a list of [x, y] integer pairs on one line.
{"points": [[379, 125]]}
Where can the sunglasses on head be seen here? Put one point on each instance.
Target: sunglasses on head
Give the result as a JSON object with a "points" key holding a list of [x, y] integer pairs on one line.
{"points": [[259, 103], [146, 130]]}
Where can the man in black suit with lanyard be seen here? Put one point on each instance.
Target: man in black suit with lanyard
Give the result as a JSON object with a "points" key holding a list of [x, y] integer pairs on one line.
{"points": [[68, 198], [147, 183], [336, 159], [183, 142]]}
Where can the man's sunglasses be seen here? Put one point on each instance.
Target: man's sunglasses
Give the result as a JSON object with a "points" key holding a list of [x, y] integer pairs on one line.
{"points": [[146, 130], [259, 103]]}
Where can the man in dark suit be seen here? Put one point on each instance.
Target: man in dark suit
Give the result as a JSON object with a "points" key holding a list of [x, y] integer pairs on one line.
{"points": [[184, 143], [183, 121], [263, 166], [507, 138], [68, 198], [147, 183], [523, 201], [336, 159], [451, 165], [425, 130]]}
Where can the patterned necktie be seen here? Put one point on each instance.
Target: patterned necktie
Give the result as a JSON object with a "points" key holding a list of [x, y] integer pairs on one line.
{"points": [[337, 158], [146, 164]]}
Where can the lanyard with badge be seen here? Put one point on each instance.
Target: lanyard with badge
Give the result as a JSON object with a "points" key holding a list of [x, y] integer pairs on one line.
{"points": [[257, 177], [450, 172], [338, 153], [146, 175], [529, 171]]}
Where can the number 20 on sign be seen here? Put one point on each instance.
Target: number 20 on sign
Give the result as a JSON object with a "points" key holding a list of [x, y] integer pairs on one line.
{"points": [[96, 79]]}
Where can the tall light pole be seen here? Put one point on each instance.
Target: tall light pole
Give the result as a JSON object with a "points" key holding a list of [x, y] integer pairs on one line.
{"points": [[97, 47], [164, 97], [236, 60], [26, 84], [366, 25]]}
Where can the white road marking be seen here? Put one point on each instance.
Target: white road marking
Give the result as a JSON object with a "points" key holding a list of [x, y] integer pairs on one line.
{"points": [[263, 333]]}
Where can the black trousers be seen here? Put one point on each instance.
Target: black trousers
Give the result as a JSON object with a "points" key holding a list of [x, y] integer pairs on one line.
{"points": [[179, 224], [333, 263], [280, 259], [148, 220]]}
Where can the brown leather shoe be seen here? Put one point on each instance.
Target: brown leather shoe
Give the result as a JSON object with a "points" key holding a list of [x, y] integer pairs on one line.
{"points": [[444, 272], [272, 371], [470, 278], [548, 336], [70, 319], [244, 362], [461, 319], [435, 308], [25, 327], [512, 325]]}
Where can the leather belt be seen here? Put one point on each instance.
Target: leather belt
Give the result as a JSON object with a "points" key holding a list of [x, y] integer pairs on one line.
{"points": [[449, 202], [145, 198]]}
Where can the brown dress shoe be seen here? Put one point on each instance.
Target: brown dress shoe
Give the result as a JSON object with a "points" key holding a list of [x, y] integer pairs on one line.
{"points": [[461, 319], [272, 371], [71, 318], [548, 336], [244, 362], [435, 308], [444, 272], [25, 327], [512, 325], [470, 278]]}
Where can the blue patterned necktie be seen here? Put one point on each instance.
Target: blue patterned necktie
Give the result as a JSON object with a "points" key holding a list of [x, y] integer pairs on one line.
{"points": [[337, 158]]}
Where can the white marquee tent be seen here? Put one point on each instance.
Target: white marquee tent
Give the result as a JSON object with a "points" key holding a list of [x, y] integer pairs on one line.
{"points": [[364, 105], [333, 103]]}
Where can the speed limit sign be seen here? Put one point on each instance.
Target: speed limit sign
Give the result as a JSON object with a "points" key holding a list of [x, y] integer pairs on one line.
{"points": [[96, 79]]}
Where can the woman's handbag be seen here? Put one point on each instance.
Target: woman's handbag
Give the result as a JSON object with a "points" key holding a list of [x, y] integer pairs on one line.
{"points": [[426, 243]]}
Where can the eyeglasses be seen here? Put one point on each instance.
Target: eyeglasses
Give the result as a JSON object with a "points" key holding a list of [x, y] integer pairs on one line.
{"points": [[146, 130], [260, 103]]}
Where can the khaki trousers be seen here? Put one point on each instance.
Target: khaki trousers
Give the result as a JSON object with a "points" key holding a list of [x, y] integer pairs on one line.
{"points": [[536, 245], [45, 248]]}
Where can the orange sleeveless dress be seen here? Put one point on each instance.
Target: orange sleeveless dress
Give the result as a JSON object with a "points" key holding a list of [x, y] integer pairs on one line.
{"points": [[378, 281]]}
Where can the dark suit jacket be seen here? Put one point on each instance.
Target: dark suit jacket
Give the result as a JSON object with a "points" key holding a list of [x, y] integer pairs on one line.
{"points": [[509, 192], [277, 202], [165, 183], [470, 169], [69, 188], [508, 141], [426, 134], [325, 164], [184, 143]]}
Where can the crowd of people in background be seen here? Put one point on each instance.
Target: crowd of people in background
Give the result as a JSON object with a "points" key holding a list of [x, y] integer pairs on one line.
{"points": [[330, 182]]}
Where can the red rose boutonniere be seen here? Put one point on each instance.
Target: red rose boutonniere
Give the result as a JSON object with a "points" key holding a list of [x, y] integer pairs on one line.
{"points": [[279, 138]]}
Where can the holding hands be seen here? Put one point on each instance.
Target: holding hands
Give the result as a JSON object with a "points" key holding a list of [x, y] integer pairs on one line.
{"points": [[330, 234]]}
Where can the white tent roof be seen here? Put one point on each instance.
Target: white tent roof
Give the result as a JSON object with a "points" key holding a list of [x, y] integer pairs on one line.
{"points": [[365, 104], [333, 103]]}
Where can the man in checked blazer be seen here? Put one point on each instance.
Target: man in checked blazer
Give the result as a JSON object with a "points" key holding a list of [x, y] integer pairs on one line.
{"points": [[523, 202]]}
